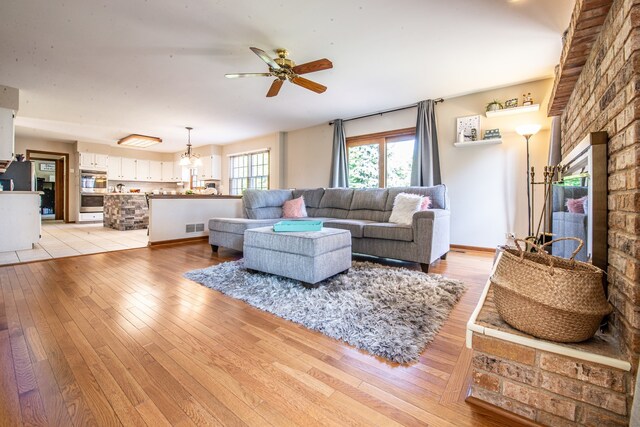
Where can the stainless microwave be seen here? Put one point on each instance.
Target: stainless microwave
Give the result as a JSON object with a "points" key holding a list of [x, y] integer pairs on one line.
{"points": [[93, 181]]}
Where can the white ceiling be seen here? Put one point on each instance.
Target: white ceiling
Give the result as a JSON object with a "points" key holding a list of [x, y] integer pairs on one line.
{"points": [[99, 70]]}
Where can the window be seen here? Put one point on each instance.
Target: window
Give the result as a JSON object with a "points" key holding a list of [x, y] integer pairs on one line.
{"points": [[381, 159], [248, 171]]}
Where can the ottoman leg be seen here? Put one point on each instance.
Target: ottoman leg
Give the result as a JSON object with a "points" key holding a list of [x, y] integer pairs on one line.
{"points": [[214, 248], [444, 257], [424, 267]]}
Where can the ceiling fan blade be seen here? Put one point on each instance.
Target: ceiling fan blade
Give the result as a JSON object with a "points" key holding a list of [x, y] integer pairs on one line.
{"points": [[308, 84], [266, 58], [275, 88], [311, 67], [241, 75]]}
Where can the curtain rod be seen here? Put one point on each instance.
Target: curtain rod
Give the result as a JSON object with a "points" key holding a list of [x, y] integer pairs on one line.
{"points": [[437, 101]]}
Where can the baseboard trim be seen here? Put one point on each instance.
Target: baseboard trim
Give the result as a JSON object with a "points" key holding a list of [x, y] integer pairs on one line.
{"points": [[473, 248], [515, 418], [184, 240]]}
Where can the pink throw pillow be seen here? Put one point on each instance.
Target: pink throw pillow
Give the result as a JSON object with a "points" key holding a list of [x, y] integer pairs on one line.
{"points": [[426, 203], [294, 208], [576, 205]]}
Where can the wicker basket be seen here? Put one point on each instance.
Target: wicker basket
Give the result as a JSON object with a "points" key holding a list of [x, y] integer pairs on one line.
{"points": [[552, 298]]}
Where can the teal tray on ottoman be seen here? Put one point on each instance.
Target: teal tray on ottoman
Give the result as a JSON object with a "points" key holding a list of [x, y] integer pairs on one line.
{"points": [[308, 256], [298, 225]]}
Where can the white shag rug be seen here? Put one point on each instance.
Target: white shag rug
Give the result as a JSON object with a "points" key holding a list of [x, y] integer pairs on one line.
{"points": [[388, 311]]}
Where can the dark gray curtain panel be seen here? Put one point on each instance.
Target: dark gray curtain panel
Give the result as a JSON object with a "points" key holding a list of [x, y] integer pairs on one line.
{"points": [[339, 167], [425, 170]]}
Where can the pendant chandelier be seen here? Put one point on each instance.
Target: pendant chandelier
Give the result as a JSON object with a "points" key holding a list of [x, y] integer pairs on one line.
{"points": [[189, 158]]}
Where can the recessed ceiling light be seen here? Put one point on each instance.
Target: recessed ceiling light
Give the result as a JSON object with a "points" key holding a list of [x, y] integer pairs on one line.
{"points": [[139, 141]]}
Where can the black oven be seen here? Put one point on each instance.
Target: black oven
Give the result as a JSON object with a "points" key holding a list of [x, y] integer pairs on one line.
{"points": [[91, 202]]}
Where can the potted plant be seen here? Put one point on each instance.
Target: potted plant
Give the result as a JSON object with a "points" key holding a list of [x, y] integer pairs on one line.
{"points": [[494, 106]]}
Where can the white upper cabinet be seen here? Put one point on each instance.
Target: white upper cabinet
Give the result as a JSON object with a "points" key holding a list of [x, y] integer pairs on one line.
{"points": [[167, 172], [211, 167], [7, 134], [114, 172], [155, 171], [216, 166], [128, 169], [94, 161], [142, 170]]}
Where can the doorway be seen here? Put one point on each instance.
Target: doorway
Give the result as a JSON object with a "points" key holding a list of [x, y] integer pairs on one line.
{"points": [[52, 178]]}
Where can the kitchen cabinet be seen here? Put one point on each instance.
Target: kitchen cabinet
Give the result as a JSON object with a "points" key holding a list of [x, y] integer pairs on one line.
{"points": [[94, 161], [155, 171], [128, 169], [211, 168], [142, 170], [114, 171], [169, 172], [7, 138]]}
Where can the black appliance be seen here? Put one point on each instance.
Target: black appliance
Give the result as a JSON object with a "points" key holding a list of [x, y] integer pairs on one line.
{"points": [[23, 175]]}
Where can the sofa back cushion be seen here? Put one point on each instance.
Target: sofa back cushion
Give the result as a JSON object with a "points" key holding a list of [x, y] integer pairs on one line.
{"points": [[312, 198], [437, 194], [368, 204], [265, 204], [335, 203]]}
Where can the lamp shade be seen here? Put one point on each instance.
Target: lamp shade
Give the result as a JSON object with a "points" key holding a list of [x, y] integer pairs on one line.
{"points": [[528, 129]]}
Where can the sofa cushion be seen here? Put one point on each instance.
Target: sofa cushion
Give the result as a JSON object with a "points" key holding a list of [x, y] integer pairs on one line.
{"points": [[337, 198], [238, 225], [355, 226], [437, 194], [389, 231], [264, 204], [368, 204], [312, 197]]}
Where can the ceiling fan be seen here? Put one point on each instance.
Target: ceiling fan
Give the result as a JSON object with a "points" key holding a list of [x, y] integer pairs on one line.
{"points": [[283, 68]]}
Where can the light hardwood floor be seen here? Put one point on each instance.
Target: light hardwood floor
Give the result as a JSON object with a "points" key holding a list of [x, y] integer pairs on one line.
{"points": [[122, 338]]}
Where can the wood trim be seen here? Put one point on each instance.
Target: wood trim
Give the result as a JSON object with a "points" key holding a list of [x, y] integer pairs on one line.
{"points": [[473, 248], [60, 189], [515, 420], [397, 132], [30, 156], [185, 240]]}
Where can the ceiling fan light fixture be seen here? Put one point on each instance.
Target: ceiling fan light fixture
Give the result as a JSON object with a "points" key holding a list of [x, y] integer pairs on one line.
{"points": [[139, 141]]}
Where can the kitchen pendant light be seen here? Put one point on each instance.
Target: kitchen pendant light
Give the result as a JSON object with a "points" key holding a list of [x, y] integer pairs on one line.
{"points": [[189, 158]]}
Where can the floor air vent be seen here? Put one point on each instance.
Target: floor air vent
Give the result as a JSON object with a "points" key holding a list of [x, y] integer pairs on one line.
{"points": [[194, 228]]}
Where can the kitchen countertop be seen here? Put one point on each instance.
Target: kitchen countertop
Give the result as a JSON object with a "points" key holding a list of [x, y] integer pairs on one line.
{"points": [[124, 194], [20, 192], [191, 196]]}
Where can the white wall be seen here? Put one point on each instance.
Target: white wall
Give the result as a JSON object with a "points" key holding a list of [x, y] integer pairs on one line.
{"points": [[487, 184]]}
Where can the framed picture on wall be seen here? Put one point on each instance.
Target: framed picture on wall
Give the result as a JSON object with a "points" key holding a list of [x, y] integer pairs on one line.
{"points": [[468, 126], [47, 167]]}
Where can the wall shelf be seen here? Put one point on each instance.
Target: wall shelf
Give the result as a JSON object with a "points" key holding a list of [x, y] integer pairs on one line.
{"points": [[514, 110], [480, 142]]}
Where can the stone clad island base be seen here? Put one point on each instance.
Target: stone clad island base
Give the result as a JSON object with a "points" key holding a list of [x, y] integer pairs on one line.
{"points": [[308, 256]]}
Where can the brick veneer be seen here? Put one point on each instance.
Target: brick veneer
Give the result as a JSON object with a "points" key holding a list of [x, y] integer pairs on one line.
{"points": [[548, 388], [605, 98]]}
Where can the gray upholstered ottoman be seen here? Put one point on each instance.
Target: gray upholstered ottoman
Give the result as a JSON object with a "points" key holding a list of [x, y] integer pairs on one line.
{"points": [[308, 256]]}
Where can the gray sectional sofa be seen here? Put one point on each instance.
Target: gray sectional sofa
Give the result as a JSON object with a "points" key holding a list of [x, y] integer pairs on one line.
{"points": [[364, 212]]}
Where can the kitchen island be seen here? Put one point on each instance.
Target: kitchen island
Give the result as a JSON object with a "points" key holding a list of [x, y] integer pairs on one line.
{"points": [[20, 224], [126, 211], [184, 217]]}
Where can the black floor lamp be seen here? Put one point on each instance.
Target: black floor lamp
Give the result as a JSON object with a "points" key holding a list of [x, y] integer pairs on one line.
{"points": [[528, 131]]}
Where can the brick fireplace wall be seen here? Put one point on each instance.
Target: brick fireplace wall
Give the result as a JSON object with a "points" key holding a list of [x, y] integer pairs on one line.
{"points": [[606, 98]]}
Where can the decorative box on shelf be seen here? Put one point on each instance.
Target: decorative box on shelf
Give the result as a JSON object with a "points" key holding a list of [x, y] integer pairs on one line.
{"points": [[297, 226]]}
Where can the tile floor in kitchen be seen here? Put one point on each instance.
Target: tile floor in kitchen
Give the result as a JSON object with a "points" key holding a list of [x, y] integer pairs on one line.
{"points": [[63, 240]]}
